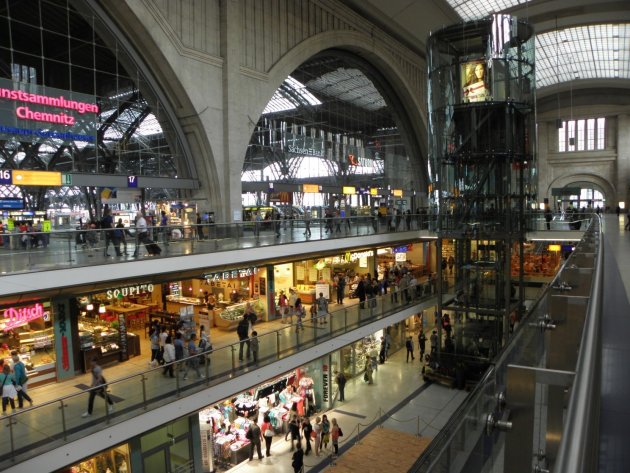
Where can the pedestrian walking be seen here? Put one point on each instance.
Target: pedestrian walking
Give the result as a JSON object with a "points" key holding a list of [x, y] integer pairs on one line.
{"points": [[193, 359], [254, 435], [242, 330], [253, 342], [341, 384], [367, 376], [21, 380], [307, 432], [9, 393], [307, 223], [409, 345], [322, 308], [168, 356], [99, 387], [300, 312], [297, 461], [434, 342], [335, 433], [422, 340], [317, 429], [294, 431], [267, 432]]}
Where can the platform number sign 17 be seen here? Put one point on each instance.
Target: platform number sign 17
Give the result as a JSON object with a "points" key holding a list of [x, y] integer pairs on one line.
{"points": [[6, 177], [132, 181]]}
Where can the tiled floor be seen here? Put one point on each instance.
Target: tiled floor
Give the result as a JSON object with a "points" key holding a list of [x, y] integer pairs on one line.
{"points": [[614, 453]]}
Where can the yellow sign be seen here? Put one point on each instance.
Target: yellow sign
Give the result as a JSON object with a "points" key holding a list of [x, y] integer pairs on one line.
{"points": [[349, 190], [36, 178], [373, 191], [553, 247], [46, 226], [312, 188], [397, 192]]}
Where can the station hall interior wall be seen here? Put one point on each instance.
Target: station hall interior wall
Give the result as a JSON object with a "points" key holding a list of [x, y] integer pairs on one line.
{"points": [[221, 62]]}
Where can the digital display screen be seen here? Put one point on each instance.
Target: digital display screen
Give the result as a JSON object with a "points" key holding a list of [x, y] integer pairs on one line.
{"points": [[474, 81]]}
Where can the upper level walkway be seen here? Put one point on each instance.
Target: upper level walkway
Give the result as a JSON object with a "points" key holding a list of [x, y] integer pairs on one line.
{"points": [[31, 269]]}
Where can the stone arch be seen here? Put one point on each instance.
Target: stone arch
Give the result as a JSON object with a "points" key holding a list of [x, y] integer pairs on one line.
{"points": [[123, 23], [609, 190], [408, 95]]}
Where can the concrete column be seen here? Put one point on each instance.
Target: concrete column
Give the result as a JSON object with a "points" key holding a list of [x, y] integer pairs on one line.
{"points": [[232, 128], [623, 162]]}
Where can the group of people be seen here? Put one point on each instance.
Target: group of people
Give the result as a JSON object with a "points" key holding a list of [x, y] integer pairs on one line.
{"points": [[14, 383], [317, 436], [289, 307], [247, 336], [171, 345]]}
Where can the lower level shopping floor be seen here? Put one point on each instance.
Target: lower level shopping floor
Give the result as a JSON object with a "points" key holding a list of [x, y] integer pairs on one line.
{"points": [[214, 439]]}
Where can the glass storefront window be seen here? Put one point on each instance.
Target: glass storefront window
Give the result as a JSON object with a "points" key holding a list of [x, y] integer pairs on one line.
{"points": [[115, 460]]}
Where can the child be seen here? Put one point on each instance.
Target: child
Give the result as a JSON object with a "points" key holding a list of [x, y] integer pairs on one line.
{"points": [[254, 345]]}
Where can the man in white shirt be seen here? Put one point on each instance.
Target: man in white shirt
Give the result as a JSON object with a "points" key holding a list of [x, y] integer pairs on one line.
{"points": [[141, 232]]}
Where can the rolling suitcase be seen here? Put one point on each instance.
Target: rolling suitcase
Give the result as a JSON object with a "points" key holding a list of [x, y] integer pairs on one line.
{"points": [[152, 248]]}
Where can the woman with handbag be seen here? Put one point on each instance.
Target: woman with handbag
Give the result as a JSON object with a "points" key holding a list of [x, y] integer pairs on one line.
{"points": [[267, 431], [8, 389], [19, 374]]}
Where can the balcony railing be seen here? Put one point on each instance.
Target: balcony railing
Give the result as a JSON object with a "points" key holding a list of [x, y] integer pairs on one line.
{"points": [[45, 427], [519, 417], [41, 251]]}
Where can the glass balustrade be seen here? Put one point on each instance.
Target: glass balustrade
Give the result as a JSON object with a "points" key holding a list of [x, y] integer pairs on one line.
{"points": [[41, 251], [507, 422]]}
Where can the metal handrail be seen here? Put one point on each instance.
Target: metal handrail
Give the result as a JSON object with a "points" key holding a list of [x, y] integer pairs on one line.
{"points": [[578, 450], [448, 433]]}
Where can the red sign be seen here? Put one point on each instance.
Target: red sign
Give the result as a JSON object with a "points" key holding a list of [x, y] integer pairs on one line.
{"points": [[22, 316]]}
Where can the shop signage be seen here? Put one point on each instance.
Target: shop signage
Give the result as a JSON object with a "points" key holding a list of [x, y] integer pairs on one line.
{"points": [[310, 188], [350, 257], [397, 192], [325, 382], [349, 190], [232, 274], [129, 291], [403, 249], [122, 333], [62, 328], [61, 114], [400, 257], [318, 153], [21, 316]]}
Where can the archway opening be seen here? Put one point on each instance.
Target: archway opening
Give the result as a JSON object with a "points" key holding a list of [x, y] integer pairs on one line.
{"points": [[333, 135], [582, 195]]}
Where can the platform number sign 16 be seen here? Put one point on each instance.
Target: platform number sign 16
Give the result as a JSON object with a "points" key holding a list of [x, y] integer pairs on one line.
{"points": [[6, 177], [132, 181]]}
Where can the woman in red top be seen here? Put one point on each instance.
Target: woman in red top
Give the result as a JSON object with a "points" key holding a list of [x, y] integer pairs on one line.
{"points": [[267, 431]]}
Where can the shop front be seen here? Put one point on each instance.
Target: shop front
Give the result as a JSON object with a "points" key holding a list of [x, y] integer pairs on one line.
{"points": [[115, 460], [224, 425], [227, 295], [29, 331]]}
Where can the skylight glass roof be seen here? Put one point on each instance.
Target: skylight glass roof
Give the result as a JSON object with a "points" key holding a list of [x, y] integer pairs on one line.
{"points": [[475, 9], [289, 96], [349, 85], [585, 52]]}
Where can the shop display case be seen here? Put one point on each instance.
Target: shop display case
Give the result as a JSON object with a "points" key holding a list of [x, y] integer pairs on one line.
{"points": [[103, 343], [229, 317]]}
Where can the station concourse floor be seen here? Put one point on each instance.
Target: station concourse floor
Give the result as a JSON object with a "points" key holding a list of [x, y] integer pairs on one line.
{"points": [[405, 402]]}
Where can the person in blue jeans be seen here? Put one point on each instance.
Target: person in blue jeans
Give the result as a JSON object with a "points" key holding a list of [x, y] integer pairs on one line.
{"points": [[193, 360], [19, 373]]}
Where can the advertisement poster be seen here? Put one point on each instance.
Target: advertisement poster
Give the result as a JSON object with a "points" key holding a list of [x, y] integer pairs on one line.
{"points": [[474, 81]]}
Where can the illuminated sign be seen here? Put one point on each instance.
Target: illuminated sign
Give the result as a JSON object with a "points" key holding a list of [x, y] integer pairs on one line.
{"points": [[374, 191], [59, 114], [473, 82], [403, 249], [400, 257], [325, 382], [36, 178], [129, 291], [349, 190], [8, 203], [397, 192], [311, 188], [6, 177], [21, 316], [232, 274], [553, 247], [318, 153]]}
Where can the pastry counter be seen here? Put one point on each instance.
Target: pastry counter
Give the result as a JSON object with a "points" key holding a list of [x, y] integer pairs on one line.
{"points": [[174, 304], [306, 293]]}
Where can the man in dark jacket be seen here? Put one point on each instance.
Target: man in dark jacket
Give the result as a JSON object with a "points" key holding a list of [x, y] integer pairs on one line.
{"points": [[409, 345], [340, 378], [242, 331], [361, 292]]}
